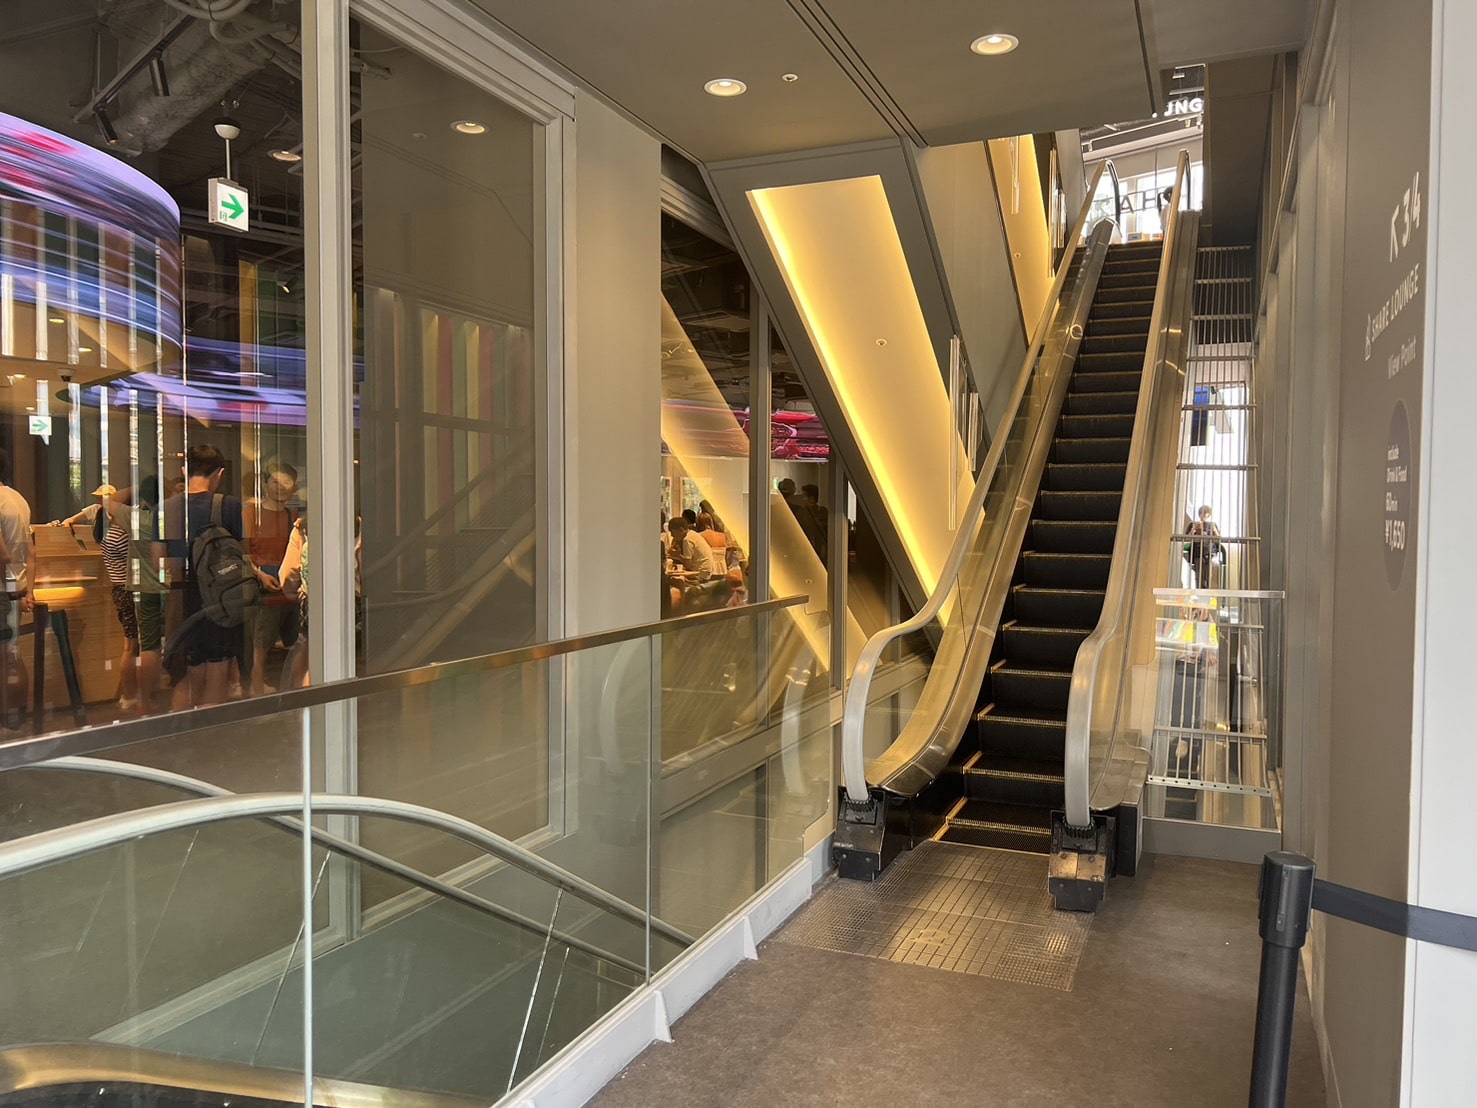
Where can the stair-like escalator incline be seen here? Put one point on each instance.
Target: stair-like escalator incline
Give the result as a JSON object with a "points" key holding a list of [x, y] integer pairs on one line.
{"points": [[1013, 778]]}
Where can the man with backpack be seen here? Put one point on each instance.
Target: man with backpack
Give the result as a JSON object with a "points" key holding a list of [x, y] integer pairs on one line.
{"points": [[203, 540]]}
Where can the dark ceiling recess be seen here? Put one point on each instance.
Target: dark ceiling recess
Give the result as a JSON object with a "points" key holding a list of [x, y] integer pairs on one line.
{"points": [[1236, 138]]}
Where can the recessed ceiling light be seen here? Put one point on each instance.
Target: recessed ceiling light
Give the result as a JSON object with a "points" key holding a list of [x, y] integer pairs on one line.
{"points": [[84, 350], [19, 376], [288, 156], [469, 127], [790, 78], [998, 43], [56, 319], [726, 86]]}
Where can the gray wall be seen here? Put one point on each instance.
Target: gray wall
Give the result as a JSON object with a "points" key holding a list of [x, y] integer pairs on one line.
{"points": [[612, 385], [959, 198]]}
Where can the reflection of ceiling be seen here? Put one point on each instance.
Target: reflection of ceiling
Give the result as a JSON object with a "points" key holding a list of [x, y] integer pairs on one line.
{"points": [[869, 70]]}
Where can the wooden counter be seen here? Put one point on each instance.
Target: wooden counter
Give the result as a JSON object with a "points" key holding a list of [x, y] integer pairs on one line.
{"points": [[68, 576]]}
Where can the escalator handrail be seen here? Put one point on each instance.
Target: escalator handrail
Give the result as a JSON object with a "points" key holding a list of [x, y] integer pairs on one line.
{"points": [[1086, 670], [409, 874], [41, 1066], [64, 843], [853, 727]]}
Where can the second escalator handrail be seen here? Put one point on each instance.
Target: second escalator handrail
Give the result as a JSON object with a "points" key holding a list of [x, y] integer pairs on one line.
{"points": [[1086, 670], [853, 726]]}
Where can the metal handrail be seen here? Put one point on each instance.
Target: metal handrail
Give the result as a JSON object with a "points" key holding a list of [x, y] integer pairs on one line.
{"points": [[90, 740], [30, 1069], [853, 725], [64, 843], [1085, 671], [384, 863]]}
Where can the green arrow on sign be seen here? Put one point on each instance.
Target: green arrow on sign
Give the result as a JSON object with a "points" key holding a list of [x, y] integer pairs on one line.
{"points": [[232, 207]]}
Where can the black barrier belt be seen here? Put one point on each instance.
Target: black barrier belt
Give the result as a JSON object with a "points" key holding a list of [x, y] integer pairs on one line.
{"points": [[1427, 925]]}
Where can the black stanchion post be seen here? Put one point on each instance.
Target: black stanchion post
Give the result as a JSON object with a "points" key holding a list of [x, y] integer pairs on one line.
{"points": [[1285, 908]]}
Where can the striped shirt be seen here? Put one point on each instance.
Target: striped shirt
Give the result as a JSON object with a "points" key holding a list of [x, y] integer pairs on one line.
{"points": [[116, 548]]}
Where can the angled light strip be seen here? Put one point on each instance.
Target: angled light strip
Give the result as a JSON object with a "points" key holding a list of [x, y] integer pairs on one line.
{"points": [[893, 397]]}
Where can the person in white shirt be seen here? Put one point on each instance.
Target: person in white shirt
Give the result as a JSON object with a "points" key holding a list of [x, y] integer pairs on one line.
{"points": [[690, 554]]}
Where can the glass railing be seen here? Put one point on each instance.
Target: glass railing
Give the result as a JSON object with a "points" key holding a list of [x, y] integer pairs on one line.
{"points": [[917, 730], [431, 880]]}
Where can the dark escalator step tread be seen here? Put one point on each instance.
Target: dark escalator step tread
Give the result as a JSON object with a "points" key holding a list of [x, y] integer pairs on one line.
{"points": [[1108, 380], [1104, 326], [1057, 607], [1147, 264], [1101, 403], [1077, 451], [1144, 280], [1004, 826], [1095, 426], [1029, 688], [1118, 309], [1126, 294], [1011, 731], [1008, 779], [1111, 361], [1085, 476], [1072, 536], [1084, 506], [1037, 644], [1066, 571]]}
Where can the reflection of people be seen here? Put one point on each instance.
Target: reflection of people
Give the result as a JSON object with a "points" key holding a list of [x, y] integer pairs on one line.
{"points": [[115, 548], [207, 647], [148, 589], [269, 526], [15, 530], [95, 514], [717, 541], [810, 496], [1205, 548]]}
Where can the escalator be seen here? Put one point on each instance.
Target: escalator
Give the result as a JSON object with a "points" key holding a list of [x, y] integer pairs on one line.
{"points": [[1027, 735], [1010, 778]]}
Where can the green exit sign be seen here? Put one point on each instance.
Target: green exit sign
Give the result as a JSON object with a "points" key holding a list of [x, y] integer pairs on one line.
{"points": [[229, 204], [40, 425]]}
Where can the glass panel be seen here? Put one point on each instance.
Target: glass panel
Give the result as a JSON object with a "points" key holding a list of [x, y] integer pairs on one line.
{"points": [[448, 180], [705, 374]]}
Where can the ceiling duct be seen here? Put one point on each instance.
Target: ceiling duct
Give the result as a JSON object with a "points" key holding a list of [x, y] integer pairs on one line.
{"points": [[207, 60]]}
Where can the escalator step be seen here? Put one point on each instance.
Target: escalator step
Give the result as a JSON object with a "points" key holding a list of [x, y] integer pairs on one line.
{"points": [[1084, 477], [1135, 293], [1006, 779], [1127, 277], [1108, 380], [1137, 325], [1034, 645], [1029, 688], [1066, 571], [1101, 506], [1003, 826], [1112, 361], [1072, 536], [1022, 732], [1146, 264], [1101, 403], [1135, 308], [1057, 607], [1095, 426], [1076, 451]]}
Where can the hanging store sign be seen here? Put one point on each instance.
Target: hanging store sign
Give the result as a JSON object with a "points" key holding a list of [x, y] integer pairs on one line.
{"points": [[1185, 105], [229, 204], [39, 425]]}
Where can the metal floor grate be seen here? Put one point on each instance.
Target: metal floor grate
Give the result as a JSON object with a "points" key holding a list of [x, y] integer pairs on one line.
{"points": [[962, 909]]}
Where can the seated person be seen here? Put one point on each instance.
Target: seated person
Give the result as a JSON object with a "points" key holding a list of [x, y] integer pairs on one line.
{"points": [[690, 555]]}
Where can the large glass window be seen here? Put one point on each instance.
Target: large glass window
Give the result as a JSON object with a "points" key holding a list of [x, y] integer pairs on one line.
{"points": [[449, 431], [706, 373]]}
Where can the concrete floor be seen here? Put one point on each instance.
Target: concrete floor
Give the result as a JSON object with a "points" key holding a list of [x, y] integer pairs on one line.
{"points": [[1161, 1013]]}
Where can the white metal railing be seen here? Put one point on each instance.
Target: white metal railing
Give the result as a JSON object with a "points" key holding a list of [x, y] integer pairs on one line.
{"points": [[853, 759]]}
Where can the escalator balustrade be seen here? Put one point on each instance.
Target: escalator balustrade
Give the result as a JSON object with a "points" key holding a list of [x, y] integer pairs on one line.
{"points": [[1010, 778]]}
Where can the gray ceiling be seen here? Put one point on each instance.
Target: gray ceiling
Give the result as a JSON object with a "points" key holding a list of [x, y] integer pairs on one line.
{"points": [[869, 69]]}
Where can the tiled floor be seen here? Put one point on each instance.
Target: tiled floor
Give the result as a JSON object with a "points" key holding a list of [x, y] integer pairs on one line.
{"points": [[1158, 1013], [955, 908]]}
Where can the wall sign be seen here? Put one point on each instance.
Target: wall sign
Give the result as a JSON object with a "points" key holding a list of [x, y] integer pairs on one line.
{"points": [[229, 204]]}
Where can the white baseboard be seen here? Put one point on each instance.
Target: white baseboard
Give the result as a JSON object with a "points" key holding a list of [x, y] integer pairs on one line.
{"points": [[584, 1067]]}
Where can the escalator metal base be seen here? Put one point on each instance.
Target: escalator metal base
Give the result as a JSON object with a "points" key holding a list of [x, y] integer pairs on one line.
{"points": [[1081, 863]]}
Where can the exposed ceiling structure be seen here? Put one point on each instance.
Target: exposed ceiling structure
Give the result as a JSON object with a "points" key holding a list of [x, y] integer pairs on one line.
{"points": [[865, 70]]}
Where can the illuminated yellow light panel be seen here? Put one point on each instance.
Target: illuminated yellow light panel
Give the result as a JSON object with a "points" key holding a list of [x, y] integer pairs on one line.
{"points": [[838, 249]]}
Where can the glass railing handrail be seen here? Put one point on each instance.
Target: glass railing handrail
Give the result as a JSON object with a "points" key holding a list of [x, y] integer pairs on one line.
{"points": [[90, 740], [853, 760], [409, 874], [50, 1066], [61, 844], [1087, 670]]}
